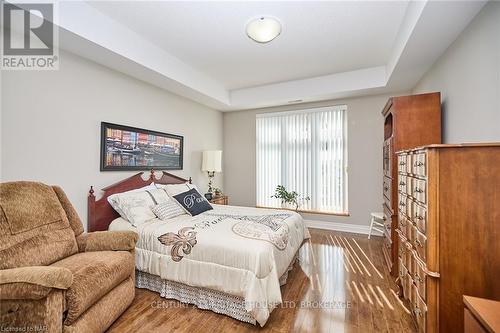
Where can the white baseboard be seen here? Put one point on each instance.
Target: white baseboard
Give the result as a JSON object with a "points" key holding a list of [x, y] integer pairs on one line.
{"points": [[344, 227]]}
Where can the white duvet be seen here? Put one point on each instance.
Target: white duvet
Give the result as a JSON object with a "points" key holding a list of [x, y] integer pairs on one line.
{"points": [[240, 251]]}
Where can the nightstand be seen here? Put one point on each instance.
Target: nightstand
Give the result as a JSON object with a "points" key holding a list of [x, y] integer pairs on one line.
{"points": [[481, 315], [220, 200]]}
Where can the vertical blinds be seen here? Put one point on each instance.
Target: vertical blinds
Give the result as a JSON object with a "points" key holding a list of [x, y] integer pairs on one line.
{"points": [[305, 151]]}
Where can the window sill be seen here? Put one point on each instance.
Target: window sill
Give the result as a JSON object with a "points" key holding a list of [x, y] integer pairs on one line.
{"points": [[307, 211]]}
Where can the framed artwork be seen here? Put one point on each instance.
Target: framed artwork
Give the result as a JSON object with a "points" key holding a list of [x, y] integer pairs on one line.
{"points": [[130, 148]]}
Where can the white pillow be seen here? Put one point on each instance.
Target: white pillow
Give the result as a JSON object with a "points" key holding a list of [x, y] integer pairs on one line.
{"points": [[174, 189], [168, 210], [151, 186], [135, 206]]}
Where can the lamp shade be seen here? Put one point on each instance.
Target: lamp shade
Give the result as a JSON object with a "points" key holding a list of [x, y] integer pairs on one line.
{"points": [[212, 161]]}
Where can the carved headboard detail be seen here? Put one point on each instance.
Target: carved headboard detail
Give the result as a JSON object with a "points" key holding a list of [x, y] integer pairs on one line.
{"points": [[101, 214]]}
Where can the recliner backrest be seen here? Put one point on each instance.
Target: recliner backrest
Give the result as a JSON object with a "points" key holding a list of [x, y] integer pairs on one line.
{"points": [[34, 225]]}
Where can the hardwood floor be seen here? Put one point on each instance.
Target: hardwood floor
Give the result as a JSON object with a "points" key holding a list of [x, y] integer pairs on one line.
{"points": [[340, 284]]}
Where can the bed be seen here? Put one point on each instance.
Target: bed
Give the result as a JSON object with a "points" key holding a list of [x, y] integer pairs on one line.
{"points": [[230, 260]]}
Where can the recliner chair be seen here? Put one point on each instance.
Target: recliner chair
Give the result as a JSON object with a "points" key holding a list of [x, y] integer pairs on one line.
{"points": [[53, 276]]}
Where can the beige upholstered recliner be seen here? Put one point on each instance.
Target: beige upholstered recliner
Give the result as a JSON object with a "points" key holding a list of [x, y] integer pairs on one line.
{"points": [[53, 276]]}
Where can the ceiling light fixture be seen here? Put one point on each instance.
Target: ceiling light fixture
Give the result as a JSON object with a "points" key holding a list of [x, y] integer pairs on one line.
{"points": [[263, 29]]}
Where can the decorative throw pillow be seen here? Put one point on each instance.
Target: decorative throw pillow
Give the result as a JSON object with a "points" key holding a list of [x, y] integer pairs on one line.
{"points": [[112, 198], [193, 202], [135, 206], [168, 210]]}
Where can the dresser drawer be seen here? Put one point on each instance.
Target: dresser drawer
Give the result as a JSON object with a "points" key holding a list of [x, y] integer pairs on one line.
{"points": [[405, 205], [409, 207], [410, 181], [419, 309], [387, 214], [402, 164], [402, 183], [402, 270], [387, 242], [404, 279], [420, 280], [401, 216], [387, 201], [408, 257], [407, 286], [409, 163], [387, 186], [387, 218], [387, 155], [402, 223], [402, 204], [419, 163], [387, 190], [411, 232], [420, 244], [388, 230], [419, 190], [420, 217], [402, 250], [412, 263]]}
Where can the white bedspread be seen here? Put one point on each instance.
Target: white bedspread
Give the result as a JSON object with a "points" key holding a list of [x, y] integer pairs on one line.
{"points": [[240, 251]]}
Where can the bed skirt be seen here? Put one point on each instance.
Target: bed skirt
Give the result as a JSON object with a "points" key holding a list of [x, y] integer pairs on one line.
{"points": [[203, 298]]}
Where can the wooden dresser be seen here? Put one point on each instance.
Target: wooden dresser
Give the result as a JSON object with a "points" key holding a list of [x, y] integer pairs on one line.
{"points": [[409, 121], [448, 230]]}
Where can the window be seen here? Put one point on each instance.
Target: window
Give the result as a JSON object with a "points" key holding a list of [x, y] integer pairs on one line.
{"points": [[305, 151]]}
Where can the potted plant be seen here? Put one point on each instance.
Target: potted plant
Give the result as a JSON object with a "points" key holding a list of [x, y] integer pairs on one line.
{"points": [[290, 198]]}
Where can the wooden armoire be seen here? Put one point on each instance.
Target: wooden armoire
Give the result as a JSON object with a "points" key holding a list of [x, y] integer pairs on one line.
{"points": [[409, 122]]}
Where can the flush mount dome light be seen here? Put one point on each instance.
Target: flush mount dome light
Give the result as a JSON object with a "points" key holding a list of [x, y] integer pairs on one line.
{"points": [[263, 29]]}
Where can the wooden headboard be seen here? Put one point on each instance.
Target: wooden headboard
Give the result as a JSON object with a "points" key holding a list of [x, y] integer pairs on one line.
{"points": [[101, 214]]}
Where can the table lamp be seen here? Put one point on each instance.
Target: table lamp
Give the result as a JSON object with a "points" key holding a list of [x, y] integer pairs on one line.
{"points": [[212, 163]]}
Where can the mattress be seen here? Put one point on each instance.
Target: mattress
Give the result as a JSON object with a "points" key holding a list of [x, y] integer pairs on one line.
{"points": [[240, 251]]}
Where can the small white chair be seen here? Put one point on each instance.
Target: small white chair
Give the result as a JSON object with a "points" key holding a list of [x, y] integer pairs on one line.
{"points": [[377, 220]]}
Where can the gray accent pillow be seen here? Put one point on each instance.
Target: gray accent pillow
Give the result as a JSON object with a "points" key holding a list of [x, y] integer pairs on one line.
{"points": [[168, 210]]}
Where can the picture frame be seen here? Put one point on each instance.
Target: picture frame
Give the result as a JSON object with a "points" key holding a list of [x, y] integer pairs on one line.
{"points": [[126, 148]]}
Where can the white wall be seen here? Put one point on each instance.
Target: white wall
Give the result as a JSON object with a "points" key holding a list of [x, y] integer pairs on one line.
{"points": [[468, 76], [50, 129], [365, 138]]}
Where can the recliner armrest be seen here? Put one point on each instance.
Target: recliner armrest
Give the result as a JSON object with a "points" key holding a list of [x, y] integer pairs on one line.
{"points": [[33, 282], [107, 241]]}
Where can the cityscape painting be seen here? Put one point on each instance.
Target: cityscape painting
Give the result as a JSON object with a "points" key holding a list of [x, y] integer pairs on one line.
{"points": [[129, 148]]}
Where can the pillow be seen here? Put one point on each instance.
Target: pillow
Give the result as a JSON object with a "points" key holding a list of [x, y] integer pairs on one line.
{"points": [[174, 189], [115, 207], [135, 206], [193, 202], [168, 210]]}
